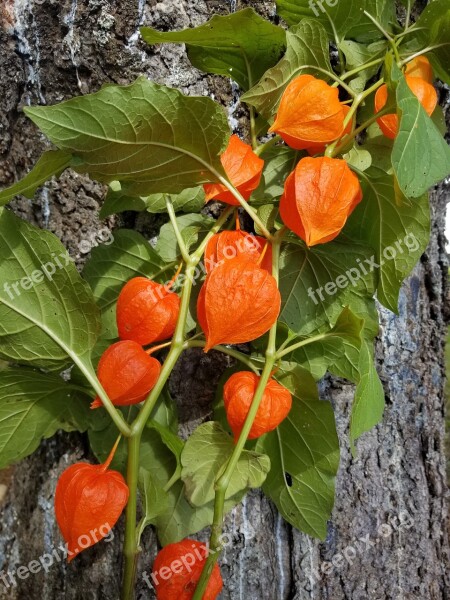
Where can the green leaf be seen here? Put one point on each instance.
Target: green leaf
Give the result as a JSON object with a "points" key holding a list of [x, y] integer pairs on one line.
{"points": [[242, 45], [307, 47], [192, 227], [357, 55], [421, 156], [112, 265], [155, 501], [279, 162], [34, 406], [304, 453], [172, 442], [433, 29], [359, 157], [117, 201], [368, 405], [47, 312], [346, 17], [316, 283], [204, 458], [398, 233], [51, 163], [149, 136], [338, 347]]}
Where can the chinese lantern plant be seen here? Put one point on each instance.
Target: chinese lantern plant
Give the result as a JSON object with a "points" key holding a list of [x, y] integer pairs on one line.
{"points": [[335, 222]]}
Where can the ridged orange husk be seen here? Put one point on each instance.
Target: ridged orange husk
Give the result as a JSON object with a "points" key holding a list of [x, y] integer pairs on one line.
{"points": [[423, 90], [309, 114], [89, 499], [147, 311], [320, 148], [420, 67], [319, 195], [238, 394], [238, 302], [243, 168], [177, 570], [228, 244], [127, 373]]}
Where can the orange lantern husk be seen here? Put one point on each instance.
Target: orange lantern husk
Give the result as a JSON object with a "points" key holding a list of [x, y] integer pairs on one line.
{"points": [[229, 244], [424, 92], [319, 195], [420, 67], [238, 302], [127, 374], [238, 394], [242, 167], [310, 114]]}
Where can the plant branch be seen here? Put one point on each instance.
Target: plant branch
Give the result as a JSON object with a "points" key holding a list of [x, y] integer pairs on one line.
{"points": [[176, 229], [243, 358]]}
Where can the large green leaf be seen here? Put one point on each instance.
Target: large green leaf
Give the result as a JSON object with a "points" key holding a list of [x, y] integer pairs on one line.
{"points": [[117, 201], [345, 17], [112, 265], [47, 312], [34, 406], [242, 45], [304, 454], [51, 163], [316, 283], [433, 30], [357, 55], [421, 156], [149, 136], [307, 47], [398, 233], [192, 227], [204, 458], [278, 164]]}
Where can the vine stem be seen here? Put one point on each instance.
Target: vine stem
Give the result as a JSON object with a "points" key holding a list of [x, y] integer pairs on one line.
{"points": [[243, 358], [223, 481], [131, 548]]}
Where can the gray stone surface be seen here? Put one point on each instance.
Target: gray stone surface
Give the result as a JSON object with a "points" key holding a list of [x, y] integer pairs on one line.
{"points": [[53, 49]]}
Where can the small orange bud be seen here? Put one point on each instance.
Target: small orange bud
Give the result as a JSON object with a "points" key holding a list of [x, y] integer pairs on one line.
{"points": [[420, 67], [310, 114], [243, 168], [423, 90], [238, 302], [89, 499], [147, 311], [238, 394], [228, 244], [319, 195], [127, 373]]}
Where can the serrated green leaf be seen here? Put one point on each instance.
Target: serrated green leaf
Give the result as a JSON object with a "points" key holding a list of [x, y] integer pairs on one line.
{"points": [[310, 280], [307, 48], [304, 453], [204, 457], [151, 137], [242, 45], [34, 406], [47, 312], [433, 29], [398, 233], [117, 201], [345, 17], [112, 265], [51, 163], [421, 156]]}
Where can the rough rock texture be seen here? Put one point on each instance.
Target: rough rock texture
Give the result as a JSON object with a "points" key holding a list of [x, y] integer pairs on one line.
{"points": [[388, 537]]}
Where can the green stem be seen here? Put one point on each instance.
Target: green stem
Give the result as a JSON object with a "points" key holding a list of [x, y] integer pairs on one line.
{"points": [[243, 358], [424, 51], [173, 220], [408, 15], [131, 549], [223, 481], [342, 147], [300, 344], [267, 145], [367, 65]]}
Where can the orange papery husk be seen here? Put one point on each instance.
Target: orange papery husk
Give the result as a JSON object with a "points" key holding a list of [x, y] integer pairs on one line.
{"points": [[420, 67], [179, 583], [238, 303], [146, 311], [127, 374], [424, 92], [243, 168], [238, 394], [89, 500], [310, 114], [229, 244], [319, 196], [320, 148]]}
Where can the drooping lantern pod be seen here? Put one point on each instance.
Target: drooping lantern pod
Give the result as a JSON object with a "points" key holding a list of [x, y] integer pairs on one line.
{"points": [[420, 67], [229, 244]]}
